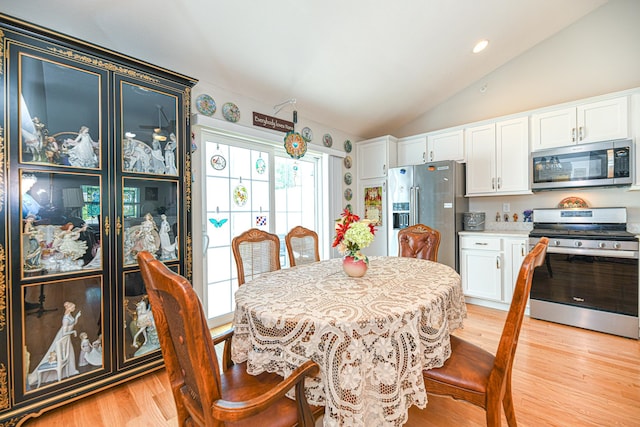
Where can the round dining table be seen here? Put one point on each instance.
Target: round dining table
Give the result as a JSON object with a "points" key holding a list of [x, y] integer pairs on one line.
{"points": [[372, 336]]}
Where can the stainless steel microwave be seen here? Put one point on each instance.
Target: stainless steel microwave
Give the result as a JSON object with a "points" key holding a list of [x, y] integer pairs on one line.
{"points": [[584, 165]]}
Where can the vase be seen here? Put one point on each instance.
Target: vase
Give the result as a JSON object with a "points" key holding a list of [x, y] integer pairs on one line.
{"points": [[354, 268]]}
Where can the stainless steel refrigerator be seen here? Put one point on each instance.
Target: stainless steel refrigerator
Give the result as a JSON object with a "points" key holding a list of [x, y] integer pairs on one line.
{"points": [[431, 194]]}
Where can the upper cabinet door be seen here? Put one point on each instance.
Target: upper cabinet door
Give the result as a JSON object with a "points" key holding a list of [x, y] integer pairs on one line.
{"points": [[446, 146], [375, 157], [481, 159], [555, 128], [590, 122], [512, 151], [603, 120], [412, 150]]}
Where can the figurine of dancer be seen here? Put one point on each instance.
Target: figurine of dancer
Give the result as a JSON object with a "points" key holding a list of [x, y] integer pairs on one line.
{"points": [[170, 155], [168, 248], [81, 153], [157, 158]]}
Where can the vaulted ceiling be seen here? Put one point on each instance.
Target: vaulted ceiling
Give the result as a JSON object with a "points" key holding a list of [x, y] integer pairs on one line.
{"points": [[366, 67]]}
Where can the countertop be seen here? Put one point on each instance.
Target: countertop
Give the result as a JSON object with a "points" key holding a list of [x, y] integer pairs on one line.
{"points": [[499, 233]]}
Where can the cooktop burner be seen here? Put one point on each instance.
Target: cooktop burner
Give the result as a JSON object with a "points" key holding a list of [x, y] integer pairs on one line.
{"points": [[582, 223]]}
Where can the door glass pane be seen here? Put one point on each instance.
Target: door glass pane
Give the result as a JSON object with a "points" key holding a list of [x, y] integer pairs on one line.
{"points": [[149, 218], [59, 114], [61, 216]]}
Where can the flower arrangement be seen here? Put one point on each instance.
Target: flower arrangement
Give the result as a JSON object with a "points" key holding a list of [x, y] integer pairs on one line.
{"points": [[352, 235]]}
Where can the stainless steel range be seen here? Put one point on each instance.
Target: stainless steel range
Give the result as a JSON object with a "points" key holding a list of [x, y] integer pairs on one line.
{"points": [[590, 276]]}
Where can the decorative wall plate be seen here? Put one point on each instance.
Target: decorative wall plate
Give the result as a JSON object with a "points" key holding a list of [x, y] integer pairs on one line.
{"points": [[348, 179], [295, 145], [231, 112], [348, 194], [205, 105], [261, 165], [240, 195], [307, 134], [347, 146], [348, 207], [347, 162], [327, 140], [572, 202], [218, 162]]}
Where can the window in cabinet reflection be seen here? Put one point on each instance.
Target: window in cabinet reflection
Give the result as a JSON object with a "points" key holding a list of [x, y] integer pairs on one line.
{"points": [[131, 202], [150, 218]]}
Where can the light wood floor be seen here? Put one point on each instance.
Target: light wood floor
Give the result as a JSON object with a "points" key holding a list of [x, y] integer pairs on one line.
{"points": [[563, 376]]}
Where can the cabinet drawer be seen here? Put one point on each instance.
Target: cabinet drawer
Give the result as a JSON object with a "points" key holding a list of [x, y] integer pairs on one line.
{"points": [[481, 243]]}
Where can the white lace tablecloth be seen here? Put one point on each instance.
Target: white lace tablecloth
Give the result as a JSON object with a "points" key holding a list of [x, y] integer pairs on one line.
{"points": [[371, 336]]}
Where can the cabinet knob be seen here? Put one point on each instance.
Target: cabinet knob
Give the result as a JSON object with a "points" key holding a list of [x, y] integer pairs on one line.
{"points": [[573, 134], [580, 133], [118, 226], [107, 226], [498, 262]]}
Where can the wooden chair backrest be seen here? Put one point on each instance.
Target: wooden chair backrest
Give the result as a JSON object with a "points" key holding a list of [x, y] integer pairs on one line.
{"points": [[302, 246], [255, 252], [185, 340], [511, 330], [419, 241]]}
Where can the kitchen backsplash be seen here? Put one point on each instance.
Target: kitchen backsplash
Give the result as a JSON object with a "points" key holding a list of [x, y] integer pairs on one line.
{"points": [[597, 198]]}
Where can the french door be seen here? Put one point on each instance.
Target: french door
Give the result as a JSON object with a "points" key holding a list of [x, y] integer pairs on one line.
{"points": [[249, 185]]}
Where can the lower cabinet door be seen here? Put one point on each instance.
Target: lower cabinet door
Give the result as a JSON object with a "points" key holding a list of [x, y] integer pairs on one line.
{"points": [[481, 273]]}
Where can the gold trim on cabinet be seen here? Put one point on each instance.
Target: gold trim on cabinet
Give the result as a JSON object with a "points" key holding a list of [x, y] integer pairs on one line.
{"points": [[103, 64], [118, 226], [189, 257], [4, 390], [2, 166], [107, 226], [1, 52], [3, 290]]}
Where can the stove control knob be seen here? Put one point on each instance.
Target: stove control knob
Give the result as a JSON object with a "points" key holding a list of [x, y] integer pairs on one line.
{"points": [[616, 245], [556, 242], [578, 243], [602, 245]]}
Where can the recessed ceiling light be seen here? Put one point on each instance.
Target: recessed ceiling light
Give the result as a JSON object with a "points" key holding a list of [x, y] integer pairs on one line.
{"points": [[479, 47]]}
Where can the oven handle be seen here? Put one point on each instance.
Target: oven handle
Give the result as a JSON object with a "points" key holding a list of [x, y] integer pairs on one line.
{"points": [[593, 252]]}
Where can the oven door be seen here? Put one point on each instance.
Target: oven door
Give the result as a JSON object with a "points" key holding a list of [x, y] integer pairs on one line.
{"points": [[594, 280]]}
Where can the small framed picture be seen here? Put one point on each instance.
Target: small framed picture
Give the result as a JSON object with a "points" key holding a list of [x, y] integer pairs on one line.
{"points": [[151, 193]]}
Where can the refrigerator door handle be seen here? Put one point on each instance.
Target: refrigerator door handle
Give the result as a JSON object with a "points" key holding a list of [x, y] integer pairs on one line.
{"points": [[413, 201]]}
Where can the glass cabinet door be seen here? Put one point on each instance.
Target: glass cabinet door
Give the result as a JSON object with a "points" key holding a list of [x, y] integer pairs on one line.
{"points": [[149, 127], [61, 230], [60, 112], [150, 219]]}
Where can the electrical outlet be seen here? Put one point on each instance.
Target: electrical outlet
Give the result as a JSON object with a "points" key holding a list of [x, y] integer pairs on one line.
{"points": [[506, 207]]}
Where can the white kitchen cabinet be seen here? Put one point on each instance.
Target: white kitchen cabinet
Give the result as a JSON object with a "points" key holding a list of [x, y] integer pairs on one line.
{"points": [[481, 267], [375, 156], [583, 123], [489, 266], [516, 249], [446, 146], [498, 158], [412, 150]]}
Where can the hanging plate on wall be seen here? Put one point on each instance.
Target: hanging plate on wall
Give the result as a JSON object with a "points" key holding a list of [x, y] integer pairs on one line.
{"points": [[205, 105], [295, 145], [231, 112]]}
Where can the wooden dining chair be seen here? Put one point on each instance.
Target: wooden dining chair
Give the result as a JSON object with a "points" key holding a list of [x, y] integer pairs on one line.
{"points": [[479, 377], [205, 396], [302, 246], [419, 241], [255, 252]]}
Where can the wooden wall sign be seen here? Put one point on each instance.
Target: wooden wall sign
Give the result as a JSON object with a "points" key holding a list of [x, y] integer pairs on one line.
{"points": [[270, 122]]}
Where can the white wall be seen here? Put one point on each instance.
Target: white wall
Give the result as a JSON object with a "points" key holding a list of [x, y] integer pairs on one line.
{"points": [[598, 54]]}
